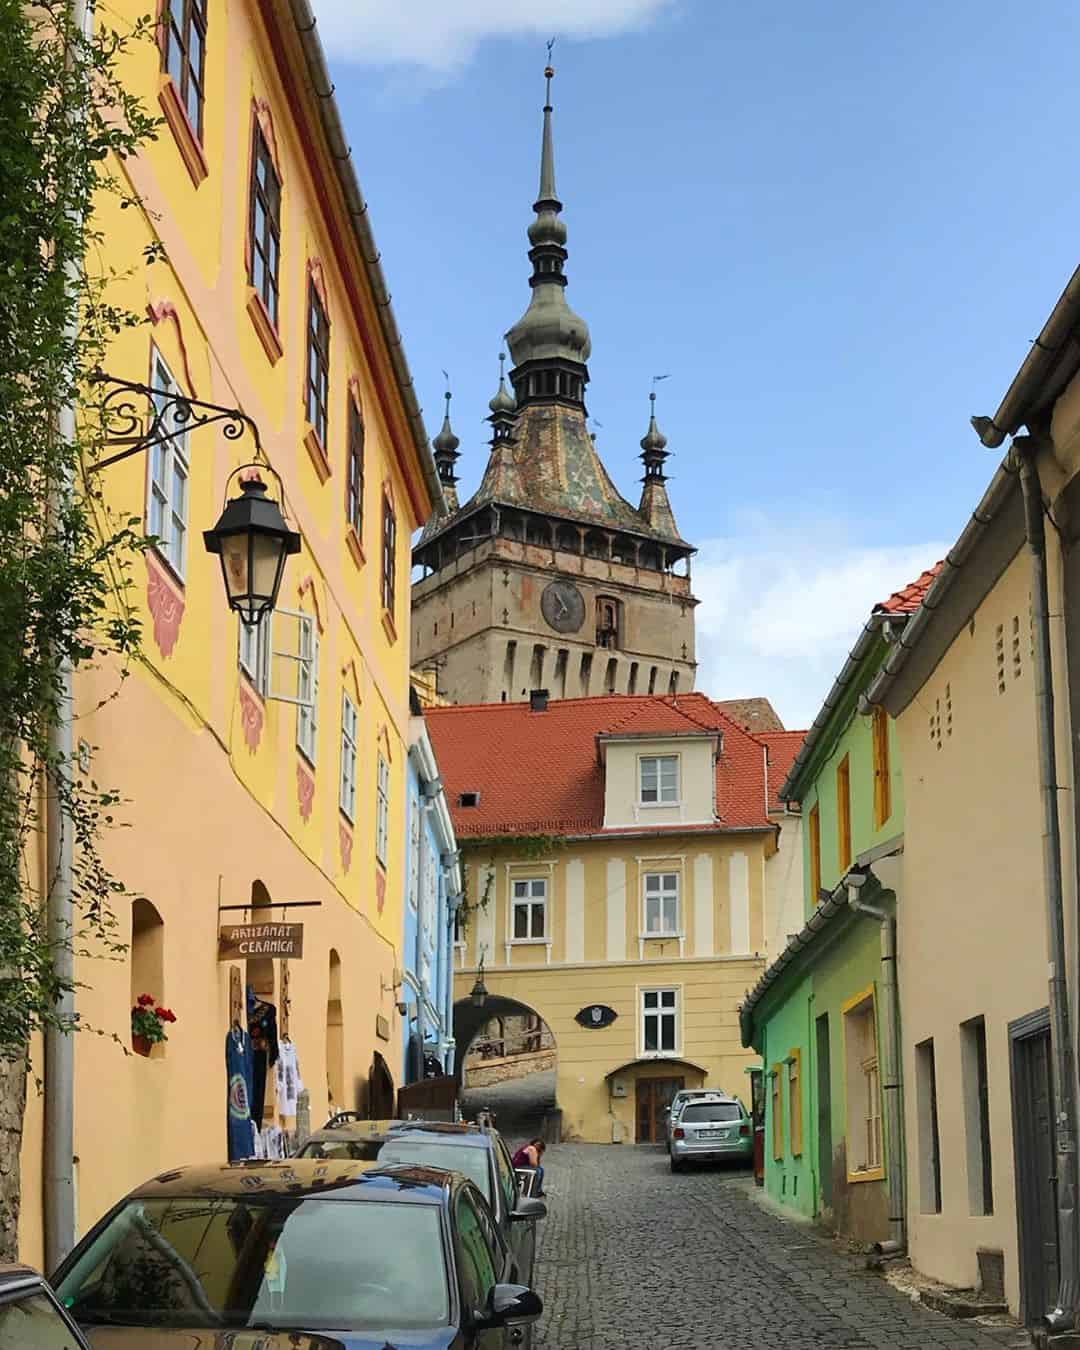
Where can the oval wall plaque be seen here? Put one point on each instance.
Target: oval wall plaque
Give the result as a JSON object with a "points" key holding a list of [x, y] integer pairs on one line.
{"points": [[596, 1015]]}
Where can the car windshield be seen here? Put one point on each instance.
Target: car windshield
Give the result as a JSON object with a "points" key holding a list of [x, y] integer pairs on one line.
{"points": [[698, 1111], [356, 1150], [279, 1262], [466, 1158]]}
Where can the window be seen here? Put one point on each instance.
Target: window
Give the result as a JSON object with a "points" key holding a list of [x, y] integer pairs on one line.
{"points": [[429, 886], [317, 383], [776, 1103], [659, 1016], [354, 478], [254, 653], [882, 782], [607, 622], [459, 928], [814, 843], [167, 493], [507, 1178], [843, 814], [382, 810], [31, 1321], [347, 790], [183, 55], [864, 1155], [795, 1101], [529, 917], [929, 1143], [307, 689], [659, 779], [389, 555], [661, 904], [475, 1259], [414, 850], [980, 1172], [264, 226]]}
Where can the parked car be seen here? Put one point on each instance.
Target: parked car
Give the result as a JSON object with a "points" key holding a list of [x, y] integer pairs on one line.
{"points": [[711, 1129], [671, 1111], [477, 1151], [352, 1256], [31, 1317]]}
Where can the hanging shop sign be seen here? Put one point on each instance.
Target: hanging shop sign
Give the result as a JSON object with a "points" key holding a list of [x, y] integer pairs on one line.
{"points": [[238, 941], [596, 1015]]}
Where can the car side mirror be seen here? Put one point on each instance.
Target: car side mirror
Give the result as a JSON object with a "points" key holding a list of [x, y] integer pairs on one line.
{"points": [[529, 1207], [511, 1305]]}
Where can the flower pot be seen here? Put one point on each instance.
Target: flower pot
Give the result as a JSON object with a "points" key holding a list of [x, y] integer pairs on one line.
{"points": [[142, 1045]]}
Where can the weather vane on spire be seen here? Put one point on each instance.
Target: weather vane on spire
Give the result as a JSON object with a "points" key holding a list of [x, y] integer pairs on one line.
{"points": [[655, 381], [446, 392], [549, 71]]}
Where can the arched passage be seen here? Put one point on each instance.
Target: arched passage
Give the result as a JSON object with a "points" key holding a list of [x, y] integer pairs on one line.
{"points": [[506, 1063]]}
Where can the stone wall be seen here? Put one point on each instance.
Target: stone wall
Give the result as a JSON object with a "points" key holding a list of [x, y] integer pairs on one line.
{"points": [[485, 1072]]}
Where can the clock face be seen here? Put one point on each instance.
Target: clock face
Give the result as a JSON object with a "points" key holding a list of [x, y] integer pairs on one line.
{"points": [[563, 607]]}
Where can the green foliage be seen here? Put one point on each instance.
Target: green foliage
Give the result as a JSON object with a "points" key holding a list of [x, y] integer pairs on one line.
{"points": [[65, 122]]}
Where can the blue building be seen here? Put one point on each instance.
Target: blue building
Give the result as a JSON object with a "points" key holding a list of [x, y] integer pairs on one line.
{"points": [[433, 893]]}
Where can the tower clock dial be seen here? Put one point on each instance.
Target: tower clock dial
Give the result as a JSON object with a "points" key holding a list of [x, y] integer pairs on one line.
{"points": [[563, 607]]}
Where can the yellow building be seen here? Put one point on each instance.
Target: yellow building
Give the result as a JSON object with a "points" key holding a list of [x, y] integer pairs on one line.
{"points": [[615, 852], [268, 766]]}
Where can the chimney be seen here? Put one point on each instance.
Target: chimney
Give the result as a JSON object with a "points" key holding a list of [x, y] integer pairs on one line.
{"points": [[538, 700]]}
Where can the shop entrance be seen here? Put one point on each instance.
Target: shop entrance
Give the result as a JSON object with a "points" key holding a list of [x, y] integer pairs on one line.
{"points": [[380, 1089], [262, 1017], [652, 1097]]}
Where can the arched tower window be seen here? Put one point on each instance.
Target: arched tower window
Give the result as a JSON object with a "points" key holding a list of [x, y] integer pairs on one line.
{"points": [[607, 622]]}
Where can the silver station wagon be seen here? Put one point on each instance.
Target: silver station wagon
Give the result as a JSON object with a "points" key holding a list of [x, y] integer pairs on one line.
{"points": [[711, 1129]]}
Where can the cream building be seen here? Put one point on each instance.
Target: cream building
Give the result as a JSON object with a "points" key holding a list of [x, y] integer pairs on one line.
{"points": [[616, 853], [984, 801]]}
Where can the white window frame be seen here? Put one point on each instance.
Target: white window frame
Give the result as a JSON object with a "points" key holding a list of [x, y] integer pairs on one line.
{"points": [[171, 456], [863, 1088], [429, 889], [528, 900], [350, 733], [307, 689], [657, 762], [382, 808], [661, 894], [668, 1004], [414, 849], [253, 648]]}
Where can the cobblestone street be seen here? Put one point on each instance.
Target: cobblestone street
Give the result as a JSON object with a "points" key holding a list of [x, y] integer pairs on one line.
{"points": [[631, 1256]]}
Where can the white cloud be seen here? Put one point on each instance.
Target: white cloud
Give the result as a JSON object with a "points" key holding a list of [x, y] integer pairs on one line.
{"points": [[782, 607], [442, 35]]}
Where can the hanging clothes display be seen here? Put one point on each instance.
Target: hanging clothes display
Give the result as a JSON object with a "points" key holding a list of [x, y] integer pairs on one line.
{"points": [[262, 1023], [289, 1086], [238, 1069]]}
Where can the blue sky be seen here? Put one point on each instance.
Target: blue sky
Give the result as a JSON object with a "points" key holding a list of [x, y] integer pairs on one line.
{"points": [[838, 227]]}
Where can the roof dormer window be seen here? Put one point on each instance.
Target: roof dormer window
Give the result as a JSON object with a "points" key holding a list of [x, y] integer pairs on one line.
{"points": [[466, 799]]}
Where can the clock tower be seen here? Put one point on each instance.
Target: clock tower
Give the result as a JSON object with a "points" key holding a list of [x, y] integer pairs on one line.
{"points": [[547, 578]]}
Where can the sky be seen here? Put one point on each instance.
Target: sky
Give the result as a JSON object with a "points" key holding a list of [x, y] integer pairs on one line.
{"points": [[836, 226]]}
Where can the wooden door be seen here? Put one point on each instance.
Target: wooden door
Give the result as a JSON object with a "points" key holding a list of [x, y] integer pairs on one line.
{"points": [[652, 1095], [824, 1111], [1036, 1179]]}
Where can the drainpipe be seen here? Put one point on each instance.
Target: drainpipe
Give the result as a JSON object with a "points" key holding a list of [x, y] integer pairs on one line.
{"points": [[890, 1069], [58, 1179], [1063, 1316]]}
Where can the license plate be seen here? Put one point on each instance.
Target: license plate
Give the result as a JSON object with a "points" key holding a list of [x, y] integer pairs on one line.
{"points": [[712, 1134]]}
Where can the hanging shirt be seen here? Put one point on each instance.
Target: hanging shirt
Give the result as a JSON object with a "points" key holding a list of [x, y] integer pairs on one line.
{"points": [[238, 1069], [289, 1085]]}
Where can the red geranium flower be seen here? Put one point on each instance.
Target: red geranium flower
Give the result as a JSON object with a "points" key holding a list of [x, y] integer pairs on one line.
{"points": [[145, 1000]]}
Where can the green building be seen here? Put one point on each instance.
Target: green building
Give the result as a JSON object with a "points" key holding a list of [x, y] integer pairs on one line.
{"points": [[824, 1016]]}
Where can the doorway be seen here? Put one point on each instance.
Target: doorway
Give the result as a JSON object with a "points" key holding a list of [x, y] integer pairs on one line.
{"points": [[380, 1089], [824, 1110], [1034, 1148], [652, 1095]]}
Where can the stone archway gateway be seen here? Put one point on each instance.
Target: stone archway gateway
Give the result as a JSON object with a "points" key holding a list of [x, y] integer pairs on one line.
{"points": [[506, 1064]]}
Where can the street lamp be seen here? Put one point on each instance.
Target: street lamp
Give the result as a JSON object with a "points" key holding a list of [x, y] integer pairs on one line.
{"points": [[479, 990], [252, 541]]}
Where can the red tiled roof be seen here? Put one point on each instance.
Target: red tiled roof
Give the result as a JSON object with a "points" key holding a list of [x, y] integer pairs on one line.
{"points": [[908, 600], [539, 772], [782, 746]]}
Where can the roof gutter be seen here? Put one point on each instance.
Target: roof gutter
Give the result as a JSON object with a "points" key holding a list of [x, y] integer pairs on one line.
{"points": [[791, 788], [983, 516], [1030, 380], [323, 89]]}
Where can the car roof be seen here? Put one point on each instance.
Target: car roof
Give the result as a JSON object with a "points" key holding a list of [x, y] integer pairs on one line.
{"points": [[409, 1183], [709, 1098], [15, 1276], [445, 1131]]}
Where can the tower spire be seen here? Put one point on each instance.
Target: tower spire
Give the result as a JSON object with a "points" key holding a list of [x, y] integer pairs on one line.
{"points": [[549, 344], [445, 453], [655, 506], [503, 408]]}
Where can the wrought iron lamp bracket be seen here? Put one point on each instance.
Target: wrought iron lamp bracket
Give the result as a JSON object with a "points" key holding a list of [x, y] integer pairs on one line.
{"points": [[169, 413]]}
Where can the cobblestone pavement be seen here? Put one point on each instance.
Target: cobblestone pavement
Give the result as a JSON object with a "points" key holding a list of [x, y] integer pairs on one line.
{"points": [[633, 1257], [519, 1103]]}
